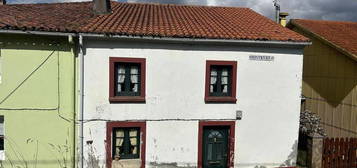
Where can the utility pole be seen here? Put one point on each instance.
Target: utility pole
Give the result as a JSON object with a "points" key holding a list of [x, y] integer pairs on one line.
{"points": [[277, 10]]}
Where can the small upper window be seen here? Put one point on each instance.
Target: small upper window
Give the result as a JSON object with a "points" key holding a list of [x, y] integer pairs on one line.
{"points": [[221, 81], [127, 79]]}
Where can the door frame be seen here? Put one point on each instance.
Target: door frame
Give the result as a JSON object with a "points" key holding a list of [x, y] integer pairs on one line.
{"points": [[231, 140]]}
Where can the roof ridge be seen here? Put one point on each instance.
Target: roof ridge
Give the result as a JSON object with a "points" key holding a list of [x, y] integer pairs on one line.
{"points": [[44, 3], [326, 21], [180, 5]]}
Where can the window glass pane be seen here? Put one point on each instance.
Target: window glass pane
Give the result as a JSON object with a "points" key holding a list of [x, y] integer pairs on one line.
{"points": [[224, 80], [134, 70], [220, 80], [133, 145], [134, 78], [119, 142], [213, 80], [134, 87], [225, 72], [1, 132], [126, 142], [119, 151], [121, 78], [133, 133], [213, 72], [224, 88], [213, 88], [120, 133]]}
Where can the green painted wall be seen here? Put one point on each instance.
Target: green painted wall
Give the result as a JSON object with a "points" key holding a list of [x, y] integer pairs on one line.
{"points": [[39, 115]]}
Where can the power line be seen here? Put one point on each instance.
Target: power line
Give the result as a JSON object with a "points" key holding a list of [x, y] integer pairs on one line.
{"points": [[28, 77]]}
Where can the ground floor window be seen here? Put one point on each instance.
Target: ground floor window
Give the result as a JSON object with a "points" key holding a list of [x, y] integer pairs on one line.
{"points": [[2, 138], [2, 133], [126, 140]]}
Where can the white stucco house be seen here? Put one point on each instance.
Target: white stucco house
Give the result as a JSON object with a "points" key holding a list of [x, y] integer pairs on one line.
{"points": [[169, 86]]}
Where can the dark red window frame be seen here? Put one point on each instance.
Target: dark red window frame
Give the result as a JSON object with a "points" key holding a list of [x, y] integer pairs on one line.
{"points": [[112, 97], [111, 125], [231, 125], [223, 99]]}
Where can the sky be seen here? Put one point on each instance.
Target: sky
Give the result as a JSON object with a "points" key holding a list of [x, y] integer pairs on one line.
{"points": [[341, 10]]}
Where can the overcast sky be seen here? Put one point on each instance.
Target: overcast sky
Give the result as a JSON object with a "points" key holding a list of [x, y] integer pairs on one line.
{"points": [[343, 10]]}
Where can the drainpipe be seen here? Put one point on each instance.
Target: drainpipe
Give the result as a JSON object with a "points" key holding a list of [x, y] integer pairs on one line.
{"points": [[81, 101]]}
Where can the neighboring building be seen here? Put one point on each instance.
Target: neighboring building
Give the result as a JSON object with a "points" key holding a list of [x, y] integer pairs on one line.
{"points": [[165, 84], [330, 74], [37, 101], [37, 89]]}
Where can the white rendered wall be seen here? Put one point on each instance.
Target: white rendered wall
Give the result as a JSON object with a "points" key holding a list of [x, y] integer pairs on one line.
{"points": [[268, 93]]}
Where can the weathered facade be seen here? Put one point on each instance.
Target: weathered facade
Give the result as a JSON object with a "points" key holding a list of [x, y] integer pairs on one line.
{"points": [[37, 101], [330, 74], [174, 112]]}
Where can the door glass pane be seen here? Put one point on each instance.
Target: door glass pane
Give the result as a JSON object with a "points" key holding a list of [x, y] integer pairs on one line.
{"points": [[209, 151], [215, 134], [219, 150]]}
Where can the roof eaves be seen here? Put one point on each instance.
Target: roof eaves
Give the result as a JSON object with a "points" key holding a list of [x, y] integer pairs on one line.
{"points": [[329, 43], [291, 44], [37, 33]]}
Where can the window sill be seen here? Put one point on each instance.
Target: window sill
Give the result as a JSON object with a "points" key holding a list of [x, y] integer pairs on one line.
{"points": [[127, 99], [213, 99]]}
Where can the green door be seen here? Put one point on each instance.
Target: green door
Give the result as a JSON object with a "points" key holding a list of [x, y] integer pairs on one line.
{"points": [[215, 147]]}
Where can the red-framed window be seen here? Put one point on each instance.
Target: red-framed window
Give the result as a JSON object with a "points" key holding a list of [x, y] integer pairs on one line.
{"points": [[136, 132], [231, 140], [127, 79], [221, 81]]}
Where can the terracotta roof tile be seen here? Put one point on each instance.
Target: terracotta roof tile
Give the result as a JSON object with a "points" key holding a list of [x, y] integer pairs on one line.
{"points": [[342, 34], [59, 17], [158, 20]]}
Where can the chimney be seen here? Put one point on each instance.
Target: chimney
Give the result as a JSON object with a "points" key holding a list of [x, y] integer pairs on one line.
{"points": [[282, 18], [2, 2], [101, 7]]}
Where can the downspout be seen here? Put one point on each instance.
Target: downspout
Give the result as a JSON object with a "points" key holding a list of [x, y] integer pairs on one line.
{"points": [[74, 51], [81, 102]]}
